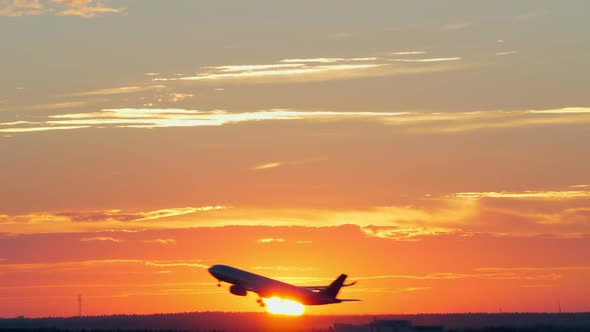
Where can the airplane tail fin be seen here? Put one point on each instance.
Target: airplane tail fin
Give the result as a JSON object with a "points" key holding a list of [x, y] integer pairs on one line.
{"points": [[335, 286]]}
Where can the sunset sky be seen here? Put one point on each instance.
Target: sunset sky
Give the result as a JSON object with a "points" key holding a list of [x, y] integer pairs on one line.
{"points": [[437, 152]]}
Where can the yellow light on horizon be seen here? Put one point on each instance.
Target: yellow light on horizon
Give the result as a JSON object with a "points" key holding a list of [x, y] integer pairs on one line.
{"points": [[280, 306]]}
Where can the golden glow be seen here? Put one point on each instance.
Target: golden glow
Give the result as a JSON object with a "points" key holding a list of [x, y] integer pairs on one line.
{"points": [[280, 306]]}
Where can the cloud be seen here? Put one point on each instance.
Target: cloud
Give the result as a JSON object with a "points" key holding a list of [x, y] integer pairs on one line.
{"points": [[270, 240], [507, 53], [527, 214], [568, 194], [410, 122], [283, 268], [456, 26], [101, 238], [539, 286], [21, 8], [301, 62], [547, 268], [485, 276], [81, 8], [531, 15], [114, 91], [267, 166], [161, 241], [426, 60], [118, 215], [495, 119], [408, 53], [73, 221], [409, 234], [276, 164], [192, 263], [51, 106], [313, 69], [98, 263], [177, 97], [40, 128]]}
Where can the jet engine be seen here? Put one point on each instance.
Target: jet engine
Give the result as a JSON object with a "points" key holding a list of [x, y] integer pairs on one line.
{"points": [[238, 291]]}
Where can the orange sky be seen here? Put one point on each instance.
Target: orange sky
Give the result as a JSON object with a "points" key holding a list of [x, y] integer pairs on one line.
{"points": [[437, 153]]}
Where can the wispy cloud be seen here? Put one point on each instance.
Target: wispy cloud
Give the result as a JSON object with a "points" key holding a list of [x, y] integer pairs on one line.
{"points": [[411, 122], [39, 128], [539, 286], [81, 8], [426, 60], [408, 53], [114, 91], [177, 97], [546, 268], [49, 106], [154, 118], [456, 26], [194, 263], [486, 276], [507, 53], [161, 241], [283, 268], [313, 69], [101, 239], [75, 221], [531, 15], [98, 263], [301, 62], [267, 166], [118, 215], [408, 234], [568, 194], [276, 164], [270, 240]]}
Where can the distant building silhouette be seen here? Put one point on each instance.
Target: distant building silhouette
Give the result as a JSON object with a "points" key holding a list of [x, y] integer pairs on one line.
{"points": [[395, 325]]}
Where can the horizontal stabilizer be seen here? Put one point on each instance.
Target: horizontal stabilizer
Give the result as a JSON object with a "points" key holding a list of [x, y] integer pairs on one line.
{"points": [[349, 300]]}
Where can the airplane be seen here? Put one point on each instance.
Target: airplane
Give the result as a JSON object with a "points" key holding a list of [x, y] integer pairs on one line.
{"points": [[243, 282]]}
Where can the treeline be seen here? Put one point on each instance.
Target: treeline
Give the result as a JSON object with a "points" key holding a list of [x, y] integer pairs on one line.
{"points": [[543, 328]]}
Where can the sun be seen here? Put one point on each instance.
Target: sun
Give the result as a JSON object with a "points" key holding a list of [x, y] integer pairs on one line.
{"points": [[280, 306]]}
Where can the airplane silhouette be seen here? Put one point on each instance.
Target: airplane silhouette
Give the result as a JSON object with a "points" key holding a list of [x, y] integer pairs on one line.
{"points": [[243, 282]]}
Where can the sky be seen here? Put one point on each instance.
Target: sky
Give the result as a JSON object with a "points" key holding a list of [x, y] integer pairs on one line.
{"points": [[434, 151]]}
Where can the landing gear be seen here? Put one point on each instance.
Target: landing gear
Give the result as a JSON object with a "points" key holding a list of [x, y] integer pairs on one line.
{"points": [[218, 283], [260, 302]]}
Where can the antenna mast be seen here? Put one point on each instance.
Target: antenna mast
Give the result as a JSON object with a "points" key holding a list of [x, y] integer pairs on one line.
{"points": [[79, 305]]}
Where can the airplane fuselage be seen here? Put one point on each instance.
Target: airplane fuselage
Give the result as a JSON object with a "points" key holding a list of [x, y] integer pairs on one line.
{"points": [[267, 287]]}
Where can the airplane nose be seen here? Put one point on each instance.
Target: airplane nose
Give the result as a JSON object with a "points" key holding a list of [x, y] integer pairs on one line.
{"points": [[213, 270]]}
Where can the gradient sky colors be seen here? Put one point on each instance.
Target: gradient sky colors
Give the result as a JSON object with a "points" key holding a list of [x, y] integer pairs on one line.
{"points": [[435, 151]]}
